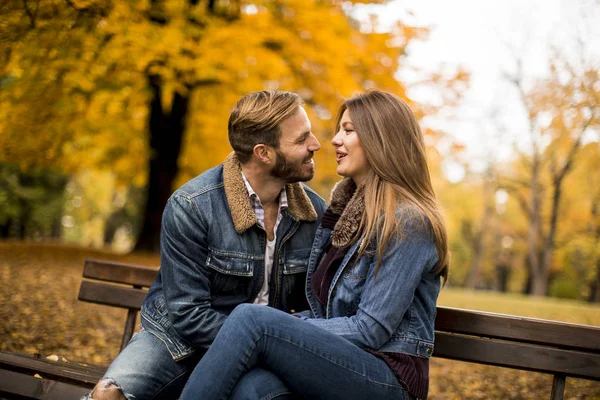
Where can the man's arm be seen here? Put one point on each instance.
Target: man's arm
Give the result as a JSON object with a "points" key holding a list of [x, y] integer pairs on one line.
{"points": [[186, 279]]}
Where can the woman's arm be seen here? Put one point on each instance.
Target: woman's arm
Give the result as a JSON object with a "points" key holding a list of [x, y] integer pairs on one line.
{"points": [[386, 297]]}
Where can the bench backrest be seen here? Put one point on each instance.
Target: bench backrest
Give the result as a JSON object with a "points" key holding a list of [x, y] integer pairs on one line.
{"points": [[118, 285], [557, 348], [561, 349], [525, 343]]}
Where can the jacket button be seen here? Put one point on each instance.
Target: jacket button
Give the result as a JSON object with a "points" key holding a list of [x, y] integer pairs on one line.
{"points": [[333, 293]]}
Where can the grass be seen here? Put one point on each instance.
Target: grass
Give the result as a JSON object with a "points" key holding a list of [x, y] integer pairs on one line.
{"points": [[40, 313], [459, 380]]}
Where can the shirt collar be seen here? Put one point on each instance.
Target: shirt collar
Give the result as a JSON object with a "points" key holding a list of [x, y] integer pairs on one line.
{"points": [[255, 200]]}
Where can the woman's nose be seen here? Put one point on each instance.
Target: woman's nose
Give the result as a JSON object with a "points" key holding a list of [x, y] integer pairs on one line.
{"points": [[337, 140]]}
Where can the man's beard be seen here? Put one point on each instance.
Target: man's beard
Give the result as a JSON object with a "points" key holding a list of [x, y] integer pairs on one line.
{"points": [[291, 172]]}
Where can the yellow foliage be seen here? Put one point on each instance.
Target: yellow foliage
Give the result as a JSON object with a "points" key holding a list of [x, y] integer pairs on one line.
{"points": [[77, 87]]}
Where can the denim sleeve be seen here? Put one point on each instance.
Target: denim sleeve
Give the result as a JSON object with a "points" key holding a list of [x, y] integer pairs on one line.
{"points": [[186, 281], [386, 297], [304, 314]]}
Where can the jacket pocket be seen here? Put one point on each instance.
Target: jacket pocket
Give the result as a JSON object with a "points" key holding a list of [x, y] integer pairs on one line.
{"points": [[231, 272], [296, 262]]}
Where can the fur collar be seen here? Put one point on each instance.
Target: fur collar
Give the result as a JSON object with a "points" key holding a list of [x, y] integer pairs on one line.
{"points": [[349, 201], [299, 205]]}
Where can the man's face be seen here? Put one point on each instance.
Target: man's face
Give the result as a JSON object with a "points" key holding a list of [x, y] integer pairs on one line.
{"points": [[297, 144]]}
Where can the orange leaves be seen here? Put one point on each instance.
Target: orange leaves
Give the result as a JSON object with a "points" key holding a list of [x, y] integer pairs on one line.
{"points": [[78, 94], [87, 85]]}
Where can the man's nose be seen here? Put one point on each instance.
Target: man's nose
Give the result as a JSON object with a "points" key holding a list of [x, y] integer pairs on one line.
{"points": [[314, 145]]}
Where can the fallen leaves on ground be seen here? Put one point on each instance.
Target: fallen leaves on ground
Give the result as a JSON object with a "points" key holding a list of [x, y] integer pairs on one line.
{"points": [[40, 313]]}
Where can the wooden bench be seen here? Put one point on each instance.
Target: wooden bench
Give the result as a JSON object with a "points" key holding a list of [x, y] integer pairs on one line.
{"points": [[561, 349], [105, 282]]}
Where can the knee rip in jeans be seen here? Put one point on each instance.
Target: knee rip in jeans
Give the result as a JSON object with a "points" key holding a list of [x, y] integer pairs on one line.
{"points": [[107, 388]]}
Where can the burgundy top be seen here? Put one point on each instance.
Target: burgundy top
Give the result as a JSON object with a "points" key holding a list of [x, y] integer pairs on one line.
{"points": [[412, 371]]}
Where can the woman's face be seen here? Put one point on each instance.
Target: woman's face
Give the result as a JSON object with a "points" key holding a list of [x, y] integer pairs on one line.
{"points": [[351, 159]]}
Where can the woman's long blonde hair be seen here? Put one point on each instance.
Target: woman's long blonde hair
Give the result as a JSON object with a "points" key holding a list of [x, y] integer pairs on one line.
{"points": [[395, 149]]}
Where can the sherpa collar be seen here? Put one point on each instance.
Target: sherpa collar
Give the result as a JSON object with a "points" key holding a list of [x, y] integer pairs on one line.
{"points": [[299, 205], [349, 201]]}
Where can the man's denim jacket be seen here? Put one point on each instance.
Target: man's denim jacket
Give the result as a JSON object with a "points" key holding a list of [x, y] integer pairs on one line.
{"points": [[212, 257], [393, 311]]}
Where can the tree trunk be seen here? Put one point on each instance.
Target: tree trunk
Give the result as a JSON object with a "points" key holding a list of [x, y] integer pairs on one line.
{"points": [[548, 250], [56, 228], [24, 219], [5, 229], [503, 259], [528, 274], [539, 283], [539, 279], [594, 295], [117, 219], [502, 277], [557, 180], [472, 278], [166, 133]]}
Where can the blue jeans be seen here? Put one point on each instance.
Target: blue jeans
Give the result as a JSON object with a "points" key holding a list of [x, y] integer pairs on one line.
{"points": [[146, 370], [309, 360]]}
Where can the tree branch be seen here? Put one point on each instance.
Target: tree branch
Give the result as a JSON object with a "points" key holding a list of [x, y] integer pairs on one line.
{"points": [[30, 14], [73, 6], [572, 152]]}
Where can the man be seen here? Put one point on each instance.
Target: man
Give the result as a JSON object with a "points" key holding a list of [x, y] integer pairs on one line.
{"points": [[240, 232]]}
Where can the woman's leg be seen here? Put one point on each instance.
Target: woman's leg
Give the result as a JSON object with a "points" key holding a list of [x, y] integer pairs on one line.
{"points": [[260, 384], [312, 362]]}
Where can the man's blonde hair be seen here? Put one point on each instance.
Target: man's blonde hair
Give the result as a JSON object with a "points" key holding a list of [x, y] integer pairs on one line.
{"points": [[256, 119]]}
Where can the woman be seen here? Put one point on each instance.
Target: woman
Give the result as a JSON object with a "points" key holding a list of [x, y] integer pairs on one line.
{"points": [[373, 277]]}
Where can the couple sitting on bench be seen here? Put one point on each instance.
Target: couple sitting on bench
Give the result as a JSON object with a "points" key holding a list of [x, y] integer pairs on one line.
{"points": [[352, 287]]}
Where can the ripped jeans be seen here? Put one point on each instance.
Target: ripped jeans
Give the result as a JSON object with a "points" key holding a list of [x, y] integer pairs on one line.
{"points": [[146, 370]]}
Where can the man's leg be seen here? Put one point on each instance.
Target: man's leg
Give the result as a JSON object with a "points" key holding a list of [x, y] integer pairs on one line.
{"points": [[144, 370], [260, 384], [312, 362]]}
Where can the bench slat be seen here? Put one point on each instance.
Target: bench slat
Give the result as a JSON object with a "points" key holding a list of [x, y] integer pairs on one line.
{"points": [[27, 386], [564, 335], [517, 355], [111, 295], [83, 375], [131, 274]]}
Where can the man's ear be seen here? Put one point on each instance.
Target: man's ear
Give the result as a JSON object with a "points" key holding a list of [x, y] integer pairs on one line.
{"points": [[264, 153]]}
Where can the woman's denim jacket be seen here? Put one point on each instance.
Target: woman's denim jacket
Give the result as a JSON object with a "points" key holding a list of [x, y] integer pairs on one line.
{"points": [[212, 257], [393, 311]]}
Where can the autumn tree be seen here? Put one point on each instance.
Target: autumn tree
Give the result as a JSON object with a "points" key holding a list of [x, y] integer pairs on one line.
{"points": [[560, 110], [145, 88], [578, 240]]}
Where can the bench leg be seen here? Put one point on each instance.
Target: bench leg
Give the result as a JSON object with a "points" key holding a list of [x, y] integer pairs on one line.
{"points": [[129, 327], [558, 387]]}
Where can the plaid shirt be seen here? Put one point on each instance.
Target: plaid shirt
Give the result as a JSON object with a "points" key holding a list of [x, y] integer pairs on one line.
{"points": [[258, 207], [263, 294]]}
